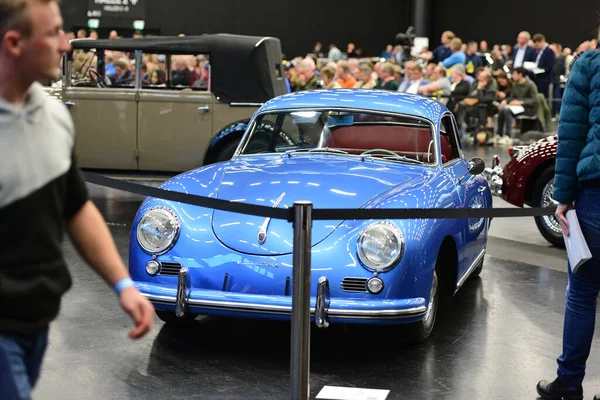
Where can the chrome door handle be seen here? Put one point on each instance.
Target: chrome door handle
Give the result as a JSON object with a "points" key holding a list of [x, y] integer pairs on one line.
{"points": [[203, 108], [69, 104]]}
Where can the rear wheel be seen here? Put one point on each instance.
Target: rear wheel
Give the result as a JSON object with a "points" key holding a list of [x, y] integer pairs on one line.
{"points": [[542, 197], [169, 317]]}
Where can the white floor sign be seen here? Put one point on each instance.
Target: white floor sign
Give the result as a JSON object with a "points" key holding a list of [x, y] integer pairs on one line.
{"points": [[348, 393]]}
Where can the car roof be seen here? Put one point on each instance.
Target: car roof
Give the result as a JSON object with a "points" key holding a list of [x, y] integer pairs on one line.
{"points": [[243, 68], [194, 44], [367, 99]]}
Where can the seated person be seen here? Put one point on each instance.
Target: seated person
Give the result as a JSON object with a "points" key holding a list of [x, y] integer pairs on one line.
{"points": [[460, 88], [158, 77], [440, 85], [387, 76], [504, 86], [480, 105], [415, 79], [524, 94], [123, 75], [181, 74], [328, 76], [365, 78]]}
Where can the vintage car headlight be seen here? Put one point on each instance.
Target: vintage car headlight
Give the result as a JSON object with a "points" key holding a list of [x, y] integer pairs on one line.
{"points": [[158, 230], [380, 246]]}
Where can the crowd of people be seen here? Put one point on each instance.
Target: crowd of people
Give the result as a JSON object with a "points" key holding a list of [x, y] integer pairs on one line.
{"points": [[491, 91]]}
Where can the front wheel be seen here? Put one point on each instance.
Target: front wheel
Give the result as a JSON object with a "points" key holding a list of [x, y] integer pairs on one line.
{"points": [[542, 197], [421, 330]]}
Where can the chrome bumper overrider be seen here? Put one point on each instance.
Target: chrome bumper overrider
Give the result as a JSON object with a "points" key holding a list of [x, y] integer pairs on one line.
{"points": [[322, 312], [494, 176]]}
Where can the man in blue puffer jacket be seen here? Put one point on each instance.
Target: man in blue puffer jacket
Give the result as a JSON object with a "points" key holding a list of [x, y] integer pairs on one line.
{"points": [[577, 185]]}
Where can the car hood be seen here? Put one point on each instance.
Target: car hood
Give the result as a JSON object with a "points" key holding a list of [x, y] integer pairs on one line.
{"points": [[326, 181]]}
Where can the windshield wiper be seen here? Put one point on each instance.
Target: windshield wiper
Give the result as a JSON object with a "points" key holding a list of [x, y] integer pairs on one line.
{"points": [[395, 158], [314, 150]]}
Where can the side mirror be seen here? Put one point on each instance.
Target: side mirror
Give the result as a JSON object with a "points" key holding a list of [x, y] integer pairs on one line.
{"points": [[476, 167]]}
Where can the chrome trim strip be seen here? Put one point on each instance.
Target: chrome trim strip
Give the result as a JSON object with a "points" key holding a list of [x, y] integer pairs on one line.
{"points": [[262, 233], [287, 310], [471, 269], [237, 104]]}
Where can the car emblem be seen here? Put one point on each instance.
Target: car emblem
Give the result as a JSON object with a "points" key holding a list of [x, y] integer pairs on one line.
{"points": [[262, 233]]}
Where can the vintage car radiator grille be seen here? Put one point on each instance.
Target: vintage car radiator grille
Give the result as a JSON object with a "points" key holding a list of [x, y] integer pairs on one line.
{"points": [[354, 285], [170, 269]]}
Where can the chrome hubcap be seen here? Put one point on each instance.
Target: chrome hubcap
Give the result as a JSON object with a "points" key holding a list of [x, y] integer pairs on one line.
{"points": [[429, 314], [547, 201]]}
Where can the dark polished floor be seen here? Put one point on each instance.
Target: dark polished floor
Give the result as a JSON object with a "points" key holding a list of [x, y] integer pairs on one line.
{"points": [[495, 340]]}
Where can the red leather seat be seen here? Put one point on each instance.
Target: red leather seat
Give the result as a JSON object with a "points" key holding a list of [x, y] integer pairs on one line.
{"points": [[404, 140]]}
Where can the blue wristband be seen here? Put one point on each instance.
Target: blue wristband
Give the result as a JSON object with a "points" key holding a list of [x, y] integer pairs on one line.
{"points": [[122, 284]]}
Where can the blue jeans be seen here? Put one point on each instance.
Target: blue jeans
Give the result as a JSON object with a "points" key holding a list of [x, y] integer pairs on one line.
{"points": [[20, 362], [582, 292]]}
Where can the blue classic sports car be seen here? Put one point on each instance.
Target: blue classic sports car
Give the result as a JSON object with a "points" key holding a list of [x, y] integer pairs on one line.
{"points": [[341, 148]]}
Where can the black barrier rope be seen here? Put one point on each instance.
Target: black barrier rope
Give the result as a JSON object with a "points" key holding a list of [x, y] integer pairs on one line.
{"points": [[201, 201], [318, 213]]}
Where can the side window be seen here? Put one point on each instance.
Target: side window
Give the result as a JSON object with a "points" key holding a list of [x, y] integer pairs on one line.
{"points": [[154, 71], [185, 71], [105, 69], [448, 141]]}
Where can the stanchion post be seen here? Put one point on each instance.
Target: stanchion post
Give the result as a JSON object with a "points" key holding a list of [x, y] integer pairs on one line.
{"points": [[300, 346]]}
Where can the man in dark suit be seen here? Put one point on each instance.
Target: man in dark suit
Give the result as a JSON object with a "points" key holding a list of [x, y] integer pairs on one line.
{"points": [[523, 52], [544, 60]]}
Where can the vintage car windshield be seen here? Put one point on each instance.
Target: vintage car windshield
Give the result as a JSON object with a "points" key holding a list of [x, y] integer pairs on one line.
{"points": [[351, 133]]}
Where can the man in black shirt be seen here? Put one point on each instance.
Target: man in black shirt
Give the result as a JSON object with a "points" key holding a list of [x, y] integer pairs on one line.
{"points": [[42, 195]]}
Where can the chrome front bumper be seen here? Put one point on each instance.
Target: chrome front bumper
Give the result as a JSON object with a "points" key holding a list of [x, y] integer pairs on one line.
{"points": [[322, 311]]}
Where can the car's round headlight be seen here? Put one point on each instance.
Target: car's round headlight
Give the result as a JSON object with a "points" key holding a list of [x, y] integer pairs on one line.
{"points": [[158, 230], [380, 246]]}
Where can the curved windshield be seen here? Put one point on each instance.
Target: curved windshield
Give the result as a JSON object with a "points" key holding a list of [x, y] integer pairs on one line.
{"points": [[351, 133]]}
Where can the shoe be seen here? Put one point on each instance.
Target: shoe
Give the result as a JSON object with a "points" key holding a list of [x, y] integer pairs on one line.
{"points": [[557, 390]]}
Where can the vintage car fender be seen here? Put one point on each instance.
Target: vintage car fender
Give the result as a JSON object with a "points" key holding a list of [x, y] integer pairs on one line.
{"points": [[520, 173]]}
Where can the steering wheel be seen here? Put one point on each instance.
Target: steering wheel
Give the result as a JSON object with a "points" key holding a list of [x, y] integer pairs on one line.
{"points": [[95, 76], [364, 153]]}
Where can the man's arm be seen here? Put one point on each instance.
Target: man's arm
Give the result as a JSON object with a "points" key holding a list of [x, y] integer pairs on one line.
{"points": [[429, 88], [93, 240]]}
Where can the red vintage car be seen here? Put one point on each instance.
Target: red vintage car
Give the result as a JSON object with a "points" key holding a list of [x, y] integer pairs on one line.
{"points": [[528, 179]]}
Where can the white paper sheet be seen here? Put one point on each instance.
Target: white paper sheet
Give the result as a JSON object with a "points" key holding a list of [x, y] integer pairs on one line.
{"points": [[516, 110], [532, 66], [349, 393], [577, 248]]}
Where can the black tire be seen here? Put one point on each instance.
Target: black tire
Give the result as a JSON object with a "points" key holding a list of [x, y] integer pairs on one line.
{"points": [[227, 151], [418, 332], [547, 225], [169, 317]]}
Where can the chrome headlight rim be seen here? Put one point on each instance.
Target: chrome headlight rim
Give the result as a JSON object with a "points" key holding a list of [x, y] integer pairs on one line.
{"points": [[391, 265], [177, 224]]}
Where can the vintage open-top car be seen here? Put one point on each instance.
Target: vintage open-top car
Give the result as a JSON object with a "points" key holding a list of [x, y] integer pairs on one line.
{"points": [[172, 121], [528, 179], [340, 148]]}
